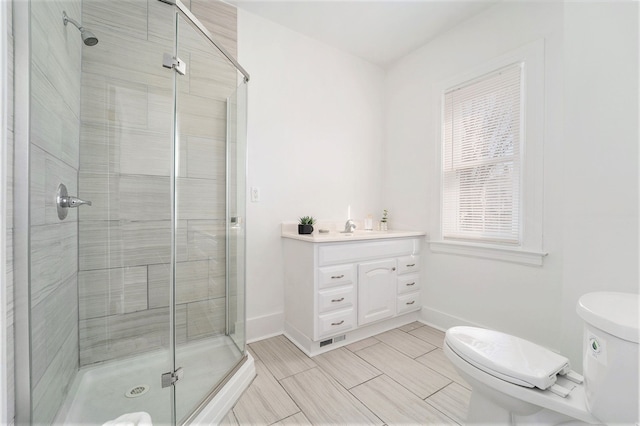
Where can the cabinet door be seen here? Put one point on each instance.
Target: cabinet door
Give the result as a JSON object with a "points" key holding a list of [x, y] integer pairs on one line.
{"points": [[376, 290]]}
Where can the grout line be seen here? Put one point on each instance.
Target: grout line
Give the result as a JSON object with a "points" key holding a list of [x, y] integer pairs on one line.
{"points": [[438, 409], [334, 380]]}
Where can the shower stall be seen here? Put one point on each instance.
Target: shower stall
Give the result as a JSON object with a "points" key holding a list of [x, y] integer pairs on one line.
{"points": [[130, 187]]}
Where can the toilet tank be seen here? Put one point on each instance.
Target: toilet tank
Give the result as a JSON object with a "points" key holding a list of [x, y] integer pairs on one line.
{"points": [[610, 357]]}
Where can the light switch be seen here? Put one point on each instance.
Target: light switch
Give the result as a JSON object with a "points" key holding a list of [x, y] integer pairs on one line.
{"points": [[255, 194]]}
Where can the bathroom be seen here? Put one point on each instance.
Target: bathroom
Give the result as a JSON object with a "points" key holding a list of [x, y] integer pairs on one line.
{"points": [[328, 130]]}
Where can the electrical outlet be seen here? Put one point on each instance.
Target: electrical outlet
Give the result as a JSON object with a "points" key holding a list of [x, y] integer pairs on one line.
{"points": [[255, 194]]}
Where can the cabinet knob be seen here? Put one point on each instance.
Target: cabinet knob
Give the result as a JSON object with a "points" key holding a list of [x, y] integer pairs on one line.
{"points": [[337, 323], [411, 303], [337, 277], [393, 269], [410, 284], [338, 300], [411, 265]]}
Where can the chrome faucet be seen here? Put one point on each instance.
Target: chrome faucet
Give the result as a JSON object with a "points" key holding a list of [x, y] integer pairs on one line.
{"points": [[349, 227]]}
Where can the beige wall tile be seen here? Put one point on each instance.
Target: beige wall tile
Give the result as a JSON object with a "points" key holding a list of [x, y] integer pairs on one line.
{"points": [[54, 255], [127, 155], [117, 336], [127, 18], [206, 158], [192, 283], [206, 318], [112, 291], [200, 199]]}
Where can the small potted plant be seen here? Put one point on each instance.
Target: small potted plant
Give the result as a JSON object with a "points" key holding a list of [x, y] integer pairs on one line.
{"points": [[306, 225], [383, 221]]}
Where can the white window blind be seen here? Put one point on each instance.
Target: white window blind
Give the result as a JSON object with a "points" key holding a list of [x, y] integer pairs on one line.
{"points": [[481, 171]]}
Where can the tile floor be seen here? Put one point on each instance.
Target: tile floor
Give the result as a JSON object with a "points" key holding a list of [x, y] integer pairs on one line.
{"points": [[397, 377]]}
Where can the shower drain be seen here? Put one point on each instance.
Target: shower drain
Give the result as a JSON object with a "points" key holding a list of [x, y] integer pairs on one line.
{"points": [[137, 391]]}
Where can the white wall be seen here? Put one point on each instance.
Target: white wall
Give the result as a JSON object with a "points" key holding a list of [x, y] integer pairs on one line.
{"points": [[316, 146], [600, 153], [591, 63], [315, 141]]}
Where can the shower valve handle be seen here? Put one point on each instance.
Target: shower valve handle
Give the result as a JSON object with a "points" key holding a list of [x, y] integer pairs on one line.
{"points": [[65, 201], [71, 201]]}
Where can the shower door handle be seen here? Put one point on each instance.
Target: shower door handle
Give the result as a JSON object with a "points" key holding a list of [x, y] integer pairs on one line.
{"points": [[64, 201]]}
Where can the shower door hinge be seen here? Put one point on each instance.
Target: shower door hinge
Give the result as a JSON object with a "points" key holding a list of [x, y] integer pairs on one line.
{"points": [[168, 379], [169, 61]]}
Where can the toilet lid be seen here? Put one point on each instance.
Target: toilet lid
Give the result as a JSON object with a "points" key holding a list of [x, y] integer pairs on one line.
{"points": [[507, 357]]}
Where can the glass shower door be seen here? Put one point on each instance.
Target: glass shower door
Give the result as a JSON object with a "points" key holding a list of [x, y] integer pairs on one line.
{"points": [[203, 349], [236, 211]]}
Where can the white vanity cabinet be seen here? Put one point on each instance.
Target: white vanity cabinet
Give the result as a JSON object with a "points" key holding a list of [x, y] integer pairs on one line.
{"points": [[376, 290], [408, 284], [337, 292]]}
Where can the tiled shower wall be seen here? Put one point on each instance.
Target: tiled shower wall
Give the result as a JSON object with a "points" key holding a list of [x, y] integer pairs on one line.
{"points": [[125, 168], [54, 133], [9, 211]]}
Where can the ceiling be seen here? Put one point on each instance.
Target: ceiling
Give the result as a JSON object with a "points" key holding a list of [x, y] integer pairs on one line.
{"points": [[380, 31]]}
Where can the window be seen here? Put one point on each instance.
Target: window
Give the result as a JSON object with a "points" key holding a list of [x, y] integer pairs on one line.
{"points": [[490, 148], [481, 158]]}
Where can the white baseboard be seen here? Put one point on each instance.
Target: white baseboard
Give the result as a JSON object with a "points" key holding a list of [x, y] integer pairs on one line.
{"points": [[312, 348], [266, 326], [443, 321]]}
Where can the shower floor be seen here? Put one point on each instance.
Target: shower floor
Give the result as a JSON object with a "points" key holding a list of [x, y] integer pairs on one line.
{"points": [[98, 393]]}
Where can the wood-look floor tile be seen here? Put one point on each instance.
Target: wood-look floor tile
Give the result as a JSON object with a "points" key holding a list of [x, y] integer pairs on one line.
{"points": [[324, 401], [437, 360], [281, 356], [453, 401], [298, 419], [411, 374], [361, 344], [405, 343], [429, 334], [411, 326], [346, 367], [396, 405], [265, 401], [229, 420]]}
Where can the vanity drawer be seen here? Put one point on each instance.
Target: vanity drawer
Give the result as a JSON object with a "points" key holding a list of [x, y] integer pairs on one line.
{"points": [[407, 264], [330, 324], [337, 275], [408, 283], [408, 302], [336, 298]]}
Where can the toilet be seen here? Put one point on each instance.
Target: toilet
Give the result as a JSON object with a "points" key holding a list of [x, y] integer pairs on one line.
{"points": [[515, 381]]}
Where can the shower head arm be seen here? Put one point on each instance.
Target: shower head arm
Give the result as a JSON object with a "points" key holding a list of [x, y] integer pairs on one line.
{"points": [[66, 19], [88, 37]]}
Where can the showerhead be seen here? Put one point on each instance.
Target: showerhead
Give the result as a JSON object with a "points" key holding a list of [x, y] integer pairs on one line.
{"points": [[88, 37]]}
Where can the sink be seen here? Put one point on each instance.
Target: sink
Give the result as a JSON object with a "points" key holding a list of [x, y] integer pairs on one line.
{"points": [[357, 232], [290, 230]]}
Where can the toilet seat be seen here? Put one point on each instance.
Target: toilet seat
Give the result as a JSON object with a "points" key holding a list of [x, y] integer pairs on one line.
{"points": [[507, 357], [572, 406]]}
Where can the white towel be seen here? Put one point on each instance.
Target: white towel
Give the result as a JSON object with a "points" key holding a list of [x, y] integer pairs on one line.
{"points": [[131, 419]]}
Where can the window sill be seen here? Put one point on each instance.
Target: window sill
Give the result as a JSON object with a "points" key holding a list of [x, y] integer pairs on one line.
{"points": [[515, 255]]}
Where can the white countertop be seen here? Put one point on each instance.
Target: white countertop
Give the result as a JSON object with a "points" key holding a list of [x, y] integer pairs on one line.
{"points": [[291, 231]]}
